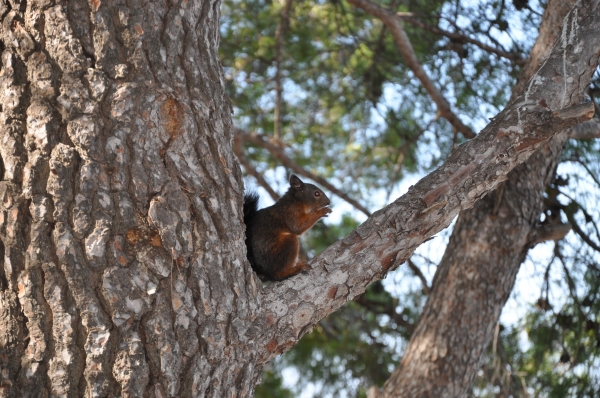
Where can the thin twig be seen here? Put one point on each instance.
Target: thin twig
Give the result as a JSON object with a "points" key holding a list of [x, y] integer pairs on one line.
{"points": [[382, 308], [590, 173], [394, 24], [546, 287], [239, 152], [278, 153], [279, 33], [588, 217], [417, 271], [571, 285], [461, 38], [580, 232]]}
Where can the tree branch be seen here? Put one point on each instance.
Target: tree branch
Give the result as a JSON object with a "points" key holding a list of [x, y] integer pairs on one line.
{"points": [[279, 33], [238, 149], [488, 243], [391, 235], [545, 233], [571, 217], [461, 38], [575, 204], [419, 274], [379, 308], [590, 173], [394, 24], [586, 131], [277, 152]]}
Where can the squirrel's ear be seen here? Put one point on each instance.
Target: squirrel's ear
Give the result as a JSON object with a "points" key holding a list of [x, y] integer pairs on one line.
{"points": [[295, 182]]}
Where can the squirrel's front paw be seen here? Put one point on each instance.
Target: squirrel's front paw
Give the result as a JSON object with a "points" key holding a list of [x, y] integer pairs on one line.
{"points": [[325, 211]]}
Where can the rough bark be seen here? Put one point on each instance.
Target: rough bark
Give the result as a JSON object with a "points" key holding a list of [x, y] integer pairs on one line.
{"points": [[124, 270], [122, 239], [586, 131], [477, 273]]}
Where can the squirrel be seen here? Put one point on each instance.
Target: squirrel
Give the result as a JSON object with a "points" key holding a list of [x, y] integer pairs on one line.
{"points": [[272, 233]]}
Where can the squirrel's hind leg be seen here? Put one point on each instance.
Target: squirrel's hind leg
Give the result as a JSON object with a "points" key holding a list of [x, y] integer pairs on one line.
{"points": [[290, 270], [288, 262]]}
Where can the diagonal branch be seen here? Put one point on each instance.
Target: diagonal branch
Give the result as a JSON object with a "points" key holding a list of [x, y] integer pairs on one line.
{"points": [[384, 308], [590, 172], [461, 38], [394, 24], [391, 235], [238, 149], [548, 232], [586, 131], [577, 229], [417, 271], [277, 151], [488, 243]]}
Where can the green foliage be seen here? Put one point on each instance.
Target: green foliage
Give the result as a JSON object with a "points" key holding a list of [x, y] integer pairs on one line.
{"points": [[348, 350], [561, 360], [322, 235], [272, 386], [336, 68]]}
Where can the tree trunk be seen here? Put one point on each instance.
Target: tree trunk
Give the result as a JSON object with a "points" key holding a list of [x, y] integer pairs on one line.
{"points": [[121, 226], [477, 273], [124, 267]]}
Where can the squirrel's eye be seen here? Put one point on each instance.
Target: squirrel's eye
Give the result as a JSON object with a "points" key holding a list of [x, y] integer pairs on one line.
{"points": [[317, 193]]}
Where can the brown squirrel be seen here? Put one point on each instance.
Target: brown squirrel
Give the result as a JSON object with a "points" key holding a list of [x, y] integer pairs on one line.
{"points": [[272, 233]]}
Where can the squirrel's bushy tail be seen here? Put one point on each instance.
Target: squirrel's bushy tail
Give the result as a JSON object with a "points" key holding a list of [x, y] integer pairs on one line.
{"points": [[250, 208]]}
